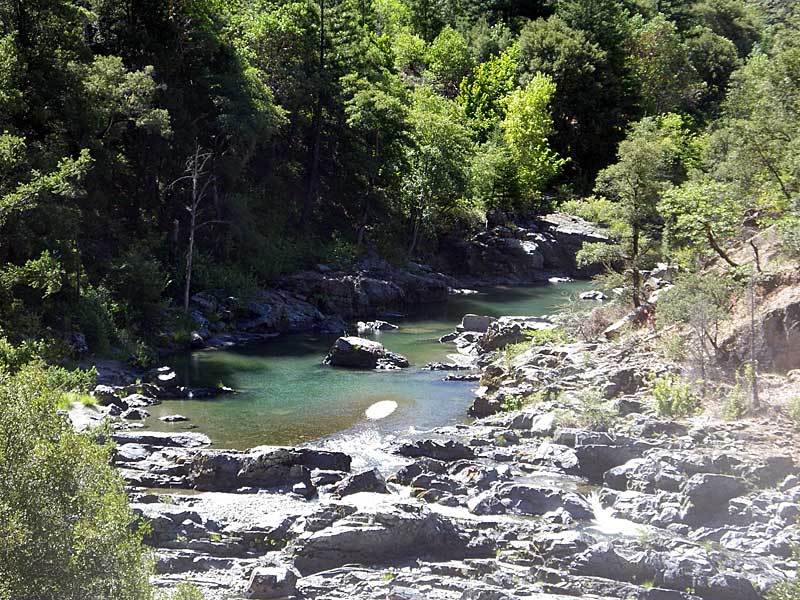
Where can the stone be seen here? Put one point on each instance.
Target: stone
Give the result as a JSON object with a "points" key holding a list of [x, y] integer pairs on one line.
{"points": [[479, 323], [366, 481], [162, 438], [135, 414], [173, 418], [376, 534], [360, 353], [593, 295], [105, 395], [444, 451], [267, 583]]}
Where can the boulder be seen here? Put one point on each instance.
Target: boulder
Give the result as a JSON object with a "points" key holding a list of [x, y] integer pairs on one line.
{"points": [[105, 395], [479, 323], [377, 534], [173, 418], [162, 439], [366, 481], [529, 500], [445, 451], [360, 353], [267, 583], [375, 326], [263, 467]]}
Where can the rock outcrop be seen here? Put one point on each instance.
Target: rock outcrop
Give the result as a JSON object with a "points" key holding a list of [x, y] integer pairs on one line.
{"points": [[361, 353]]}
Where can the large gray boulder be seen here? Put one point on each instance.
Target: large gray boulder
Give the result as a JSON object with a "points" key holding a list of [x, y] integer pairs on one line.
{"points": [[263, 467], [359, 353], [267, 583], [377, 534]]}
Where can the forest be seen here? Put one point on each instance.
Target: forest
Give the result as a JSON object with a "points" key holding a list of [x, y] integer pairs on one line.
{"points": [[276, 135]]}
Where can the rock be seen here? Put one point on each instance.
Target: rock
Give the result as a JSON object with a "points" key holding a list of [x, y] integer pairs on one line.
{"points": [[164, 377], [712, 490], [105, 395], [366, 481], [375, 326], [445, 451], [173, 418], [263, 467], [360, 353], [376, 534], [135, 414], [162, 439], [77, 343], [196, 341], [267, 583], [707, 493], [537, 500], [593, 295], [479, 323]]}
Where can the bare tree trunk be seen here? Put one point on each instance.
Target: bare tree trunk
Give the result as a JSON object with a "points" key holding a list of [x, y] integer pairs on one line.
{"points": [[636, 276], [718, 249], [756, 400], [189, 255]]}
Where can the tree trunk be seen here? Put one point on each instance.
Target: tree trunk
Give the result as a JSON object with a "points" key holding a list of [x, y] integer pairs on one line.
{"points": [[717, 248], [636, 276], [189, 255]]}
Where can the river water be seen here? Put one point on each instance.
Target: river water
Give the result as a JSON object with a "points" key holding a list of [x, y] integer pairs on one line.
{"points": [[286, 396]]}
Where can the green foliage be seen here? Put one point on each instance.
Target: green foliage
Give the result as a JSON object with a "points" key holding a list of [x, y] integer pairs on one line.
{"points": [[449, 60], [526, 128], [737, 400], [66, 533], [594, 414], [794, 411], [183, 591], [484, 93], [788, 589], [673, 397], [661, 64]]}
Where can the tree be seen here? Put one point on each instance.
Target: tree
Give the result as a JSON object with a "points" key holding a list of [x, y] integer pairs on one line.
{"points": [[449, 60], [702, 214], [199, 174], [580, 108], [648, 162], [438, 158], [702, 303], [714, 58], [377, 114], [484, 93], [661, 65], [66, 530], [526, 128]]}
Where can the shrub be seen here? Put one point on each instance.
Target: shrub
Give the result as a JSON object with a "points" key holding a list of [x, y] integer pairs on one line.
{"points": [[65, 523], [794, 411], [595, 414], [737, 402], [673, 397]]}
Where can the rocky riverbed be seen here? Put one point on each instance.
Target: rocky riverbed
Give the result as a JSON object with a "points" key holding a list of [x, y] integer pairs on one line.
{"points": [[583, 491]]}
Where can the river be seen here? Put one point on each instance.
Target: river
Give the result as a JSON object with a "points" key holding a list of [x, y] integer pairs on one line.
{"points": [[286, 396]]}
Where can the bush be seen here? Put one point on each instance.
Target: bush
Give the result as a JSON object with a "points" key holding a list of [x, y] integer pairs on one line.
{"points": [[794, 411], [595, 415], [737, 402], [674, 397], [789, 229], [65, 523]]}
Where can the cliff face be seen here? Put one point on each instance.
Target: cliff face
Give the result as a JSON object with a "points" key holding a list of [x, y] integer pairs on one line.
{"points": [[522, 253]]}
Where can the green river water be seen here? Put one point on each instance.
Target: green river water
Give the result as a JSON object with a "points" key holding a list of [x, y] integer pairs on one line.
{"points": [[286, 396]]}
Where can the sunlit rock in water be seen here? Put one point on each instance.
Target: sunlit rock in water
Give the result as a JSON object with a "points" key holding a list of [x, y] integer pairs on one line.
{"points": [[381, 410]]}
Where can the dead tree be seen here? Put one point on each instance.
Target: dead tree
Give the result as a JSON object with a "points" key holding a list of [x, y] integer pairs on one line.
{"points": [[198, 171]]}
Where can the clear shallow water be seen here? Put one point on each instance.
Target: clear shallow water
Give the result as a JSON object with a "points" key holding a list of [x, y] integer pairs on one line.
{"points": [[286, 396]]}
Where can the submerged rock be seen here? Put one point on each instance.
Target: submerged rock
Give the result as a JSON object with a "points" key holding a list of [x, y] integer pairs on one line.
{"points": [[360, 353]]}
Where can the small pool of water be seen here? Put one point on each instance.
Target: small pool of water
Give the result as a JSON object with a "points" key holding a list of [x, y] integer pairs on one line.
{"points": [[287, 396]]}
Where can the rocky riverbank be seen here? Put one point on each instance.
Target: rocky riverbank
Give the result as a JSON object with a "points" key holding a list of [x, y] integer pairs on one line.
{"points": [[325, 299], [582, 490]]}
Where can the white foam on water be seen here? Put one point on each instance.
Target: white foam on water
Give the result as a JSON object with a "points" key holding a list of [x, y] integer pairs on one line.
{"points": [[607, 524], [381, 410]]}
